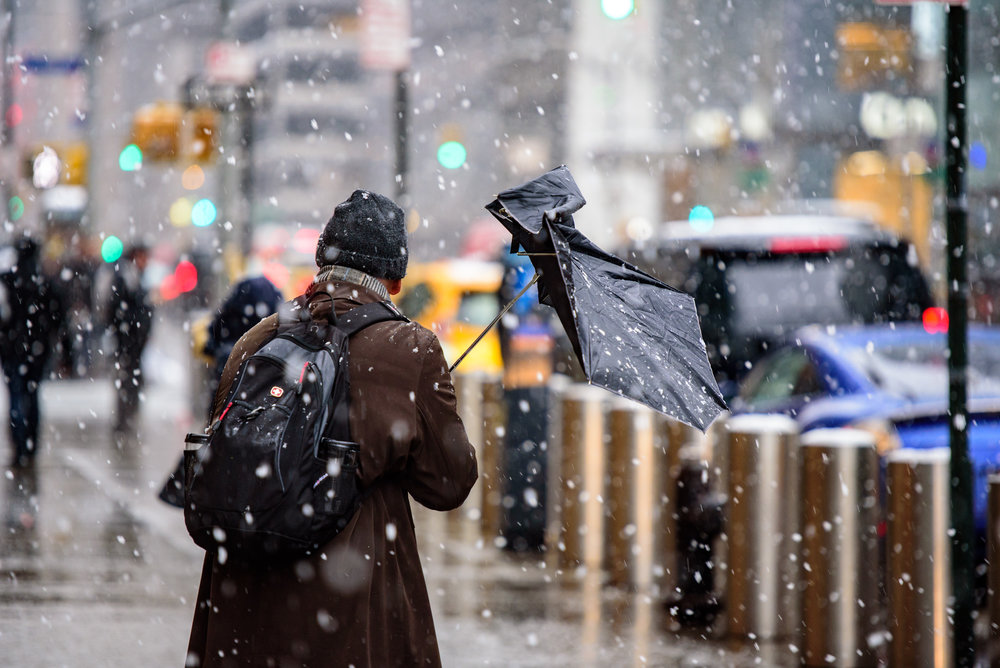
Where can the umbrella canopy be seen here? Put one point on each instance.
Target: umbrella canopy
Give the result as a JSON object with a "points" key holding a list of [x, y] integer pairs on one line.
{"points": [[634, 335]]}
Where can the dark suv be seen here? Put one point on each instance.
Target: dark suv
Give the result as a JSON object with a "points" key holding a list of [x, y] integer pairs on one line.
{"points": [[756, 279]]}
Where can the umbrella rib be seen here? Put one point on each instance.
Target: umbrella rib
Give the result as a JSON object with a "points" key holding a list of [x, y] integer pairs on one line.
{"points": [[534, 279]]}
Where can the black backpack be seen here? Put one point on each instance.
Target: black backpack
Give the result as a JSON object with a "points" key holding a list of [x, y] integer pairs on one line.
{"points": [[275, 474]]}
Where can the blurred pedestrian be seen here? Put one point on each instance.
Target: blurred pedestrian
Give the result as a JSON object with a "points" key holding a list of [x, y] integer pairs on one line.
{"points": [[360, 600], [31, 312], [130, 319], [250, 300]]}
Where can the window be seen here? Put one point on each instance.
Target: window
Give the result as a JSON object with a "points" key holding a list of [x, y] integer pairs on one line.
{"points": [[416, 300], [478, 308], [786, 375]]}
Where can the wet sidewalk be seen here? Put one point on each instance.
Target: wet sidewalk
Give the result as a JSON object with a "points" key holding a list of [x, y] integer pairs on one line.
{"points": [[95, 570]]}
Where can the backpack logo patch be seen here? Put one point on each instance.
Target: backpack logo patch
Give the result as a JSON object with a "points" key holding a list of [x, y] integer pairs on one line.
{"points": [[276, 391]]}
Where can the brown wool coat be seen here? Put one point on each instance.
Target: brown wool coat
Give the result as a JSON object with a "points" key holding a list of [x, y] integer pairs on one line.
{"points": [[362, 601]]}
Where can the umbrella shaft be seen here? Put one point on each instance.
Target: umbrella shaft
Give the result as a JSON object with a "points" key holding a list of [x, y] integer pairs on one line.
{"points": [[503, 311]]}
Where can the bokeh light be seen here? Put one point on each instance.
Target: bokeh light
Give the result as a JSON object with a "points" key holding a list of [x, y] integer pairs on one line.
{"points": [[15, 206], [451, 154], [701, 219], [187, 276], [130, 159], [193, 178], [305, 240], [935, 320], [977, 155], [180, 212], [111, 249], [617, 9], [14, 115], [203, 213]]}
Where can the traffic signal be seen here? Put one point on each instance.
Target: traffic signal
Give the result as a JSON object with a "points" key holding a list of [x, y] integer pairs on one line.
{"points": [[156, 131], [111, 249], [203, 213], [201, 126], [130, 159], [15, 208], [451, 153], [72, 160]]}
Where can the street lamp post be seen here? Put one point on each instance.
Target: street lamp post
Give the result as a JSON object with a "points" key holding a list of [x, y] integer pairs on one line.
{"points": [[956, 153]]}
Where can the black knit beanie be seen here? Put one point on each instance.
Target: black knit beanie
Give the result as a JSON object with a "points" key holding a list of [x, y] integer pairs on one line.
{"points": [[367, 232]]}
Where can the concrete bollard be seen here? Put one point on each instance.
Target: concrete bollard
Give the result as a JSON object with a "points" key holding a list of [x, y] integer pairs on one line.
{"points": [[577, 504], [840, 514], [470, 396], [993, 559], [491, 460], [640, 516], [672, 441], [918, 558], [761, 519]]}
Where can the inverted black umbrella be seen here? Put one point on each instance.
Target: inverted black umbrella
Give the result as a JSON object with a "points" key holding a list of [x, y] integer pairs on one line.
{"points": [[634, 335]]}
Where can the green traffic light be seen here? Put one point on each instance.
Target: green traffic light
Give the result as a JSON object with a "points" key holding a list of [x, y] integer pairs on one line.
{"points": [[16, 208], [701, 219], [451, 154], [130, 159], [112, 249], [617, 9], [203, 213]]}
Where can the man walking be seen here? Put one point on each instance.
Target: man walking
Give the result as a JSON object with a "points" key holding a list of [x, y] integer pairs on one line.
{"points": [[131, 321], [31, 312], [361, 600]]}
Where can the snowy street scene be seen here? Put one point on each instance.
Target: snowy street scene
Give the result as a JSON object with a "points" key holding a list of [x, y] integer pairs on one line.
{"points": [[525, 333]]}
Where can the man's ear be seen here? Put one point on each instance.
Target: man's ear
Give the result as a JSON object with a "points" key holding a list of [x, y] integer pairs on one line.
{"points": [[393, 285]]}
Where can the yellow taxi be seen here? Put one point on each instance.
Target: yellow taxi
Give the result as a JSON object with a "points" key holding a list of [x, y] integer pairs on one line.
{"points": [[457, 299]]}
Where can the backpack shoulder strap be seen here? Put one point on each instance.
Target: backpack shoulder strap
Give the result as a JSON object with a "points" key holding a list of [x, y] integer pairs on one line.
{"points": [[363, 316]]}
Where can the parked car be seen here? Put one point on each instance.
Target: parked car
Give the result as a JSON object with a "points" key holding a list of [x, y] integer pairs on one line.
{"points": [[456, 299], [889, 379], [757, 279]]}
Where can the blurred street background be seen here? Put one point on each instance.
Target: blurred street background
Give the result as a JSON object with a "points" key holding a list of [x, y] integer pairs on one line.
{"points": [[782, 161]]}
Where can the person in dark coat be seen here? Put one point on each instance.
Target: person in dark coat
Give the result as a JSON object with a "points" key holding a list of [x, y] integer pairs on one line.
{"points": [[30, 317], [130, 314], [361, 600], [250, 300]]}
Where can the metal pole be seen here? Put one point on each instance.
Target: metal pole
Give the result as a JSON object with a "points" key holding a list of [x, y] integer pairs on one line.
{"points": [[7, 173], [401, 136], [958, 295]]}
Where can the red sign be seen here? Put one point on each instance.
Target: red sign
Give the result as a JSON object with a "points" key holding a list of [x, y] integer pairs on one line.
{"points": [[228, 62], [385, 34]]}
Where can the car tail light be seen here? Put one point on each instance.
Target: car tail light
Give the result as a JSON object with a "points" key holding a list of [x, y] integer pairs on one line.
{"points": [[935, 320], [817, 244]]}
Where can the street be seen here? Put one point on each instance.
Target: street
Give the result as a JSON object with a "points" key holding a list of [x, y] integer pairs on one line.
{"points": [[96, 570]]}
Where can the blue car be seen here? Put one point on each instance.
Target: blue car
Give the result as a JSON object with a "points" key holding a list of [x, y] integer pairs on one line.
{"points": [[889, 379]]}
